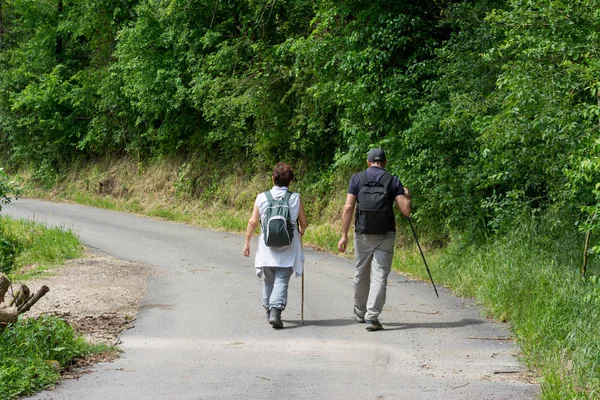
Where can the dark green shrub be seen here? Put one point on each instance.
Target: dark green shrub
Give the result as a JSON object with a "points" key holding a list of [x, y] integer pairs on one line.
{"points": [[26, 349]]}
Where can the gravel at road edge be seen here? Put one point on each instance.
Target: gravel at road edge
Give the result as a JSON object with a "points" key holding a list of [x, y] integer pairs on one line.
{"points": [[98, 295]]}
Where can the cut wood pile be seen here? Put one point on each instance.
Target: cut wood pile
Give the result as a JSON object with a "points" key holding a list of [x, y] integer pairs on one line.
{"points": [[16, 300]]}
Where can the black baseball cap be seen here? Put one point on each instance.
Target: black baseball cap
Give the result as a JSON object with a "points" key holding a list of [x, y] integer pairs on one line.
{"points": [[376, 155]]}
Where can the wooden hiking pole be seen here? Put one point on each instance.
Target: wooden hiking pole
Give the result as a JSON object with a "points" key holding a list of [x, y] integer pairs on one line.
{"points": [[302, 301], [302, 304]]}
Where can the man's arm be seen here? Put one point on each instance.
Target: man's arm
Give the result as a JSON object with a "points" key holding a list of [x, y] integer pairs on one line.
{"points": [[404, 202], [346, 218]]}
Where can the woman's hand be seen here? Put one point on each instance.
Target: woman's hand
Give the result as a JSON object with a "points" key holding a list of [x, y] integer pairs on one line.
{"points": [[252, 224]]}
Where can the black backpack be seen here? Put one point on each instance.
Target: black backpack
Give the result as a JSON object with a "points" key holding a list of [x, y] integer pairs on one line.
{"points": [[374, 214], [277, 227]]}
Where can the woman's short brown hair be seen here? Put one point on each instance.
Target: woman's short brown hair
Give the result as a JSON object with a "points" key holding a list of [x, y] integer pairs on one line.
{"points": [[282, 174]]}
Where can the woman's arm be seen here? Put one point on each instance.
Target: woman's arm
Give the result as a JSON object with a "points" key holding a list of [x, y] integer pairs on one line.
{"points": [[252, 224], [302, 220]]}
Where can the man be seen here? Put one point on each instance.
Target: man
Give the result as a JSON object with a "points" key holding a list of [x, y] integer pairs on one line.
{"points": [[376, 191]]}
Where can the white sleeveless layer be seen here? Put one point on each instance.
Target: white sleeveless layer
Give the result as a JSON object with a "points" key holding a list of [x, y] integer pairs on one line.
{"points": [[291, 256]]}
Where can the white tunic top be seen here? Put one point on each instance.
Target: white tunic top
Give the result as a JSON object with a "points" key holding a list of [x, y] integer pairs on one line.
{"points": [[291, 256]]}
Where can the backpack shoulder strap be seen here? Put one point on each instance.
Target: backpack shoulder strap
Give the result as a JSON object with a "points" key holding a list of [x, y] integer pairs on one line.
{"points": [[362, 179], [269, 195], [287, 196], [387, 178]]}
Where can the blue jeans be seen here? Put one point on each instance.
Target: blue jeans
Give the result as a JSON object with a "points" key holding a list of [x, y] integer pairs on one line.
{"points": [[275, 290]]}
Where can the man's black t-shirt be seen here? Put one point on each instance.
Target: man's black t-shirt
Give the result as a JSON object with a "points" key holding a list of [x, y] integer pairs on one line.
{"points": [[375, 173], [394, 188]]}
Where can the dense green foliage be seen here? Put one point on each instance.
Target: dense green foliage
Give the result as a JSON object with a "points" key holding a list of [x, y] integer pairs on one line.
{"points": [[489, 109], [28, 242], [29, 348]]}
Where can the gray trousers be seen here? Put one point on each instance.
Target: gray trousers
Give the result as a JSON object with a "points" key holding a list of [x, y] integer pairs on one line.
{"points": [[373, 255], [275, 290]]}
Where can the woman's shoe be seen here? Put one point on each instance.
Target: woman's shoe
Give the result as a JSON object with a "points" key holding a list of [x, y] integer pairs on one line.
{"points": [[275, 318]]}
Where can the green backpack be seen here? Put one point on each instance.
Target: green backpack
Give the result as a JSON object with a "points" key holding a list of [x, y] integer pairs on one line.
{"points": [[277, 227]]}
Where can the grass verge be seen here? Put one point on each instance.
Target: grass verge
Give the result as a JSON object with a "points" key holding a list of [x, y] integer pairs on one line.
{"points": [[29, 248], [33, 351], [531, 279]]}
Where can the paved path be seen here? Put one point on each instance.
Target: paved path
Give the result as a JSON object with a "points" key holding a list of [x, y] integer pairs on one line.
{"points": [[201, 332]]}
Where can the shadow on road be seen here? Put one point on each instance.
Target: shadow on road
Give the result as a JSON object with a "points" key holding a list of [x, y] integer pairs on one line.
{"points": [[392, 326], [427, 325], [296, 323]]}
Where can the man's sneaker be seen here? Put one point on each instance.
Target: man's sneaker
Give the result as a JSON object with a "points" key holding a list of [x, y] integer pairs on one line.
{"points": [[359, 319], [373, 325], [275, 318]]}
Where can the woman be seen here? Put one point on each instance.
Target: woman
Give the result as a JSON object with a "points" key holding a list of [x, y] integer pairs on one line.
{"points": [[277, 264]]}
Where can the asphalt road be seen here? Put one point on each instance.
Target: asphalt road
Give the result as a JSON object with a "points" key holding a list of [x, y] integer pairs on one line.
{"points": [[201, 332]]}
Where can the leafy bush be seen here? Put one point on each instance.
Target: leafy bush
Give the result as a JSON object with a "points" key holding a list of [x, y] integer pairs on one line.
{"points": [[7, 187], [26, 349], [8, 252]]}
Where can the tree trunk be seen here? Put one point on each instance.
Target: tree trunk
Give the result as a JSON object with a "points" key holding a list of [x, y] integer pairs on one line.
{"points": [[59, 40], [1, 22], [4, 285], [9, 315], [585, 253]]}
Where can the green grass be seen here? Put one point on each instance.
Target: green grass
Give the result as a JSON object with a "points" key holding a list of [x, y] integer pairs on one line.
{"points": [[531, 279], [32, 351], [32, 244], [95, 201], [325, 237]]}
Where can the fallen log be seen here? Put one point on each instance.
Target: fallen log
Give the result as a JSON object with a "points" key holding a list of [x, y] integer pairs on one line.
{"points": [[38, 295]]}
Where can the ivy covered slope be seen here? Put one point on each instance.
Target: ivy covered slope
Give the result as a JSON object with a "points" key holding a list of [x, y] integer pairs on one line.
{"points": [[489, 110]]}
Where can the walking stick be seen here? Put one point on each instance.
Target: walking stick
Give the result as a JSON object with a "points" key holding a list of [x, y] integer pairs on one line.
{"points": [[418, 245], [302, 306], [302, 301]]}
